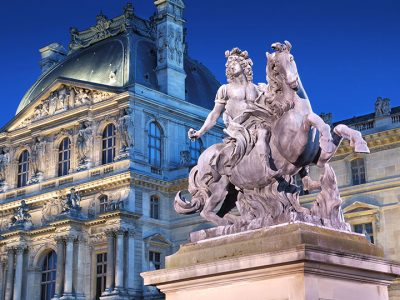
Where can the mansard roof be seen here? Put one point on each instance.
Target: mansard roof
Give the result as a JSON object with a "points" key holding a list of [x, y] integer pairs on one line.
{"points": [[120, 52]]}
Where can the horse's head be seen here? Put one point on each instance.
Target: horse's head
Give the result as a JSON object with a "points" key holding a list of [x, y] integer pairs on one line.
{"points": [[281, 66]]}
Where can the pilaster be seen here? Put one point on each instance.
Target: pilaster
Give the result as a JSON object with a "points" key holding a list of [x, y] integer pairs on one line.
{"points": [[10, 274]]}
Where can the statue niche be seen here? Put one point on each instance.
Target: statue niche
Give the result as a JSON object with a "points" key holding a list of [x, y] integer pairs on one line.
{"points": [[272, 134]]}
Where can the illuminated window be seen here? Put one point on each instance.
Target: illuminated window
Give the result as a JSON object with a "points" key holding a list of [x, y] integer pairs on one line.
{"points": [[365, 229], [64, 155], [101, 274], [109, 141], [48, 283], [154, 207], [154, 145], [154, 260], [358, 171], [23, 169]]}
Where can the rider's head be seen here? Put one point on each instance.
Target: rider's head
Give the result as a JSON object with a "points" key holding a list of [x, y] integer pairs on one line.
{"points": [[238, 62]]}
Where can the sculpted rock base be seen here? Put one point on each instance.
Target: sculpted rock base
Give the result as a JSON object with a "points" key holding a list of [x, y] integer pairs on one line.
{"points": [[296, 262]]}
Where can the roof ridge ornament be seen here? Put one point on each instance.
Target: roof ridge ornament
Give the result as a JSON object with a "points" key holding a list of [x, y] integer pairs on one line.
{"points": [[103, 29]]}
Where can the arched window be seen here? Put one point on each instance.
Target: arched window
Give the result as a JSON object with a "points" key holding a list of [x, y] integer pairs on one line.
{"points": [[195, 149], [64, 155], [109, 138], [103, 201], [155, 145], [358, 171], [23, 169], [154, 207], [48, 283]]}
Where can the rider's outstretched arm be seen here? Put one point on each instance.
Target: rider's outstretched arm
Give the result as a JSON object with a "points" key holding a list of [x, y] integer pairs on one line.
{"points": [[211, 119]]}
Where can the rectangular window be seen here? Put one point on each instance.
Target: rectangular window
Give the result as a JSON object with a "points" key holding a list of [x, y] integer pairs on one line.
{"points": [[366, 229], [358, 171], [154, 260], [154, 207], [101, 274]]}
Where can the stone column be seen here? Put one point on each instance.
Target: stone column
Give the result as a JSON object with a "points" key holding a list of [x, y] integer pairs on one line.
{"points": [[60, 268], [119, 262], [18, 273], [69, 259], [10, 275], [131, 275], [1, 279], [110, 261]]}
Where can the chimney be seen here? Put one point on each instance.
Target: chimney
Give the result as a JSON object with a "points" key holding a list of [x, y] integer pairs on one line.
{"points": [[51, 55]]}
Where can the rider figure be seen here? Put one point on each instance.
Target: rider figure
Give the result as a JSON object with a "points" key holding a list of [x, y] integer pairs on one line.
{"points": [[234, 99]]}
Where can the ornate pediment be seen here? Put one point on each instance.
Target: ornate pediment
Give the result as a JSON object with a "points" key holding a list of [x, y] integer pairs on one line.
{"points": [[158, 240], [360, 207], [60, 98]]}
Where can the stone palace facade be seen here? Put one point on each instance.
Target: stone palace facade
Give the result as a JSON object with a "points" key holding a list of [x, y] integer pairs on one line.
{"points": [[91, 163]]}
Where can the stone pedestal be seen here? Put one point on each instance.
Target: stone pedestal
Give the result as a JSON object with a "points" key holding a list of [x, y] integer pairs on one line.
{"points": [[293, 261]]}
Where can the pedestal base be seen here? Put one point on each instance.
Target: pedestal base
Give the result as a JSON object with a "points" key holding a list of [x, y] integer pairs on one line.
{"points": [[295, 261]]}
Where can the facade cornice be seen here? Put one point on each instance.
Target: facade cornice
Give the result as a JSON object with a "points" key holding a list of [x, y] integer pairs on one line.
{"points": [[93, 185], [364, 189]]}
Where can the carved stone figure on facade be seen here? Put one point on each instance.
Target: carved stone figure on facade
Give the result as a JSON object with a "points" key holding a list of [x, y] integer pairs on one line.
{"points": [[81, 96], [37, 159], [179, 46], [62, 98], [4, 162], [161, 46], [73, 200], [382, 107], [21, 218], [272, 135], [171, 44], [125, 128], [84, 144]]}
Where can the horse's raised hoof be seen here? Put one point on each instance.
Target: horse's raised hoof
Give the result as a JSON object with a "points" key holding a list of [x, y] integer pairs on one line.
{"points": [[361, 147]]}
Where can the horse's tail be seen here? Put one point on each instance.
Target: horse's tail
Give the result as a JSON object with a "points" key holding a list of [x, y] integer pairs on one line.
{"points": [[199, 193]]}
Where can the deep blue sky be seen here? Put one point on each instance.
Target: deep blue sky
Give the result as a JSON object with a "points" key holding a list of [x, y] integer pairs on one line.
{"points": [[347, 51]]}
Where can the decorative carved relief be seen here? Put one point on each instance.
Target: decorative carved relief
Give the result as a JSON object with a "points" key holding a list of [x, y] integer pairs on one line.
{"points": [[103, 29], [52, 208], [64, 98], [98, 238]]}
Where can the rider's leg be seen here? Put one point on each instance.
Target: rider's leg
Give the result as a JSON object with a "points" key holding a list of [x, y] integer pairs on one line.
{"points": [[354, 136]]}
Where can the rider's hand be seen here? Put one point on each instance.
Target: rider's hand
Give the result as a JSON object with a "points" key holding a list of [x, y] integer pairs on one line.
{"points": [[193, 134]]}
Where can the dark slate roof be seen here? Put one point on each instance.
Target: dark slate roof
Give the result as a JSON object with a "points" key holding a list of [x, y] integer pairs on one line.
{"points": [[133, 59]]}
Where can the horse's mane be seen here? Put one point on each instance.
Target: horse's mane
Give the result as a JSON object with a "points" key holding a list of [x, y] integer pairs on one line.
{"points": [[272, 97]]}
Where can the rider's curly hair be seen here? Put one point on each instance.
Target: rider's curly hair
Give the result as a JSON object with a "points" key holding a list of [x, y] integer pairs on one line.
{"points": [[242, 57]]}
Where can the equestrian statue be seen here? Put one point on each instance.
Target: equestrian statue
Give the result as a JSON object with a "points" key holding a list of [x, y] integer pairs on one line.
{"points": [[272, 134]]}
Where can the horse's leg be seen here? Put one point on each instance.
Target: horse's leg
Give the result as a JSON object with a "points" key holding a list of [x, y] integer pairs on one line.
{"points": [[308, 184], [218, 192], [354, 136], [326, 141]]}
